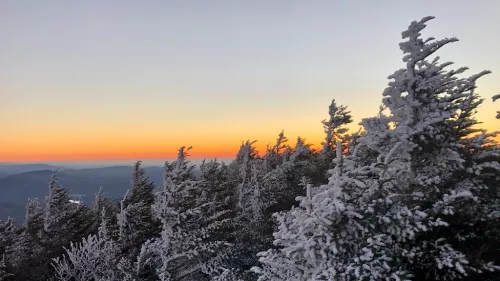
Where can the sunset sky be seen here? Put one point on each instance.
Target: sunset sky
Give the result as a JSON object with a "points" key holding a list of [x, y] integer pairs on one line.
{"points": [[90, 80]]}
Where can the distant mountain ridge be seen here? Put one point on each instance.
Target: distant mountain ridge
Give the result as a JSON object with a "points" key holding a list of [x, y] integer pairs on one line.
{"points": [[16, 188], [13, 168]]}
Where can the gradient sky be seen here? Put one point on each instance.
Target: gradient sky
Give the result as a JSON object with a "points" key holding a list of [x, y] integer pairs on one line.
{"points": [[137, 79]]}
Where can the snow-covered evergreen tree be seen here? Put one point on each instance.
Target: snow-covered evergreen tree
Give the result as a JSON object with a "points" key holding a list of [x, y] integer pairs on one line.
{"points": [[336, 131], [112, 210], [27, 245], [99, 201], [94, 258], [218, 206], [4, 274], [416, 211], [323, 239], [8, 235], [242, 166], [63, 222], [432, 161], [135, 219], [305, 164], [495, 98], [226, 275], [302, 151], [25, 251], [335, 127], [414, 196], [278, 153], [186, 249]]}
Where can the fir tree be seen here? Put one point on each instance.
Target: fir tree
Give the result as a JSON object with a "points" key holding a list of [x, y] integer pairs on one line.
{"points": [[242, 166], [334, 127], [433, 163], [335, 132], [185, 250], [496, 97], [112, 209], [8, 236], [4, 274], [25, 251], [416, 211], [321, 239], [99, 201], [94, 258], [135, 219], [8, 233], [278, 153], [63, 222]]}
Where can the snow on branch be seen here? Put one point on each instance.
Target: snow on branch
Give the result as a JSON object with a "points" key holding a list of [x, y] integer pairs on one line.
{"points": [[495, 98], [417, 49]]}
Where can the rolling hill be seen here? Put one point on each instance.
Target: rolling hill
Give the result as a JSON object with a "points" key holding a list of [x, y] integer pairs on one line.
{"points": [[15, 189]]}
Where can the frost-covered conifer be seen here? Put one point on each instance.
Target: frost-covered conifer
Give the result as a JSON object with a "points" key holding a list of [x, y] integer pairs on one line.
{"points": [[335, 129], [25, 252], [279, 184], [416, 210], [135, 219], [496, 97], [99, 201], [432, 163], [4, 274], [94, 258], [218, 210], [245, 158], [308, 163], [63, 222], [8, 235], [62, 219], [112, 209], [325, 238], [217, 189], [278, 153], [186, 247], [226, 275], [301, 151]]}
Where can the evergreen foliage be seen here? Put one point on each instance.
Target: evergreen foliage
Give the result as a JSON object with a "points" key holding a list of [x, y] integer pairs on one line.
{"points": [[414, 195]]}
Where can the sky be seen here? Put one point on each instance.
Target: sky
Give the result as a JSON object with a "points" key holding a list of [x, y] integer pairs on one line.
{"points": [[114, 80]]}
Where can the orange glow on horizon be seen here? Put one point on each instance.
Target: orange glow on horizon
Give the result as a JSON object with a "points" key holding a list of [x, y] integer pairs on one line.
{"points": [[126, 152], [194, 153], [148, 146], [115, 155]]}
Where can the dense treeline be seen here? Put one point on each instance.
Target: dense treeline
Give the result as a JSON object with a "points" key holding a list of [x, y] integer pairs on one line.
{"points": [[413, 196]]}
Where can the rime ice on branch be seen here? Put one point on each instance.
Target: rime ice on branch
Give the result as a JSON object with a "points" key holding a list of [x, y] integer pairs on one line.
{"points": [[402, 216]]}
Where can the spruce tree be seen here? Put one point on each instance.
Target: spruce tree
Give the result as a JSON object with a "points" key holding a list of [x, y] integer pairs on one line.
{"points": [[8, 235], [96, 257], [135, 219], [334, 127], [336, 131], [189, 243], [25, 252], [434, 158], [496, 97], [420, 208], [63, 222], [4, 274]]}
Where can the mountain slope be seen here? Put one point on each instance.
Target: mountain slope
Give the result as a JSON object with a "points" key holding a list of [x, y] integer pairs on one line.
{"points": [[16, 189]]}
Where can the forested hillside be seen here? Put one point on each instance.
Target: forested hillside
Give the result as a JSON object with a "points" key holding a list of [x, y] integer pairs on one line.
{"points": [[82, 184], [414, 195]]}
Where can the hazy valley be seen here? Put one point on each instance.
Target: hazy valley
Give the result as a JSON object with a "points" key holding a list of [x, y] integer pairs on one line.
{"points": [[18, 182]]}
